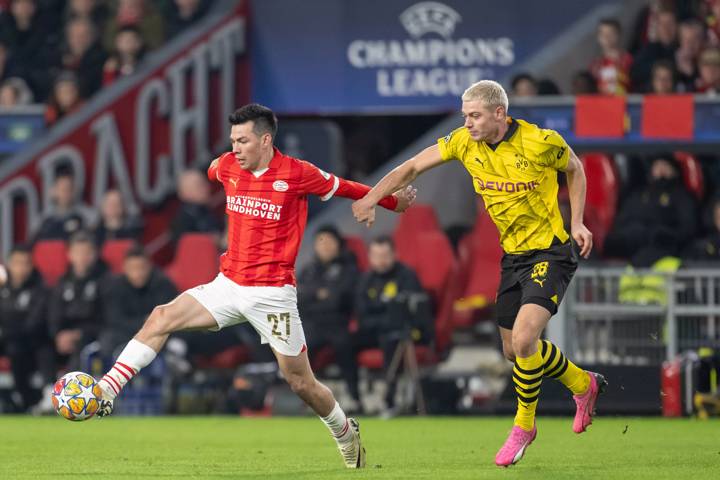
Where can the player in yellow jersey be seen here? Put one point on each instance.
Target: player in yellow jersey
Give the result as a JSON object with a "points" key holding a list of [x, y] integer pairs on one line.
{"points": [[514, 165]]}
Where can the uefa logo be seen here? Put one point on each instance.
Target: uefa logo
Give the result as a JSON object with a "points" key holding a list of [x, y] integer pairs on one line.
{"points": [[430, 17]]}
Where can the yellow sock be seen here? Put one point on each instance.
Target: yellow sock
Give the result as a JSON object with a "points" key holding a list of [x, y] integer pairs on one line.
{"points": [[527, 376], [559, 367]]}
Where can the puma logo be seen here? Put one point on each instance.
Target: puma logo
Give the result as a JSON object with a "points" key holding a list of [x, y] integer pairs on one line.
{"points": [[233, 181], [482, 164]]}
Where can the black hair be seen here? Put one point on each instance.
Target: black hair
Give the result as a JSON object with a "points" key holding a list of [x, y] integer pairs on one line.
{"points": [[81, 236], [611, 22], [264, 118], [520, 77], [332, 231], [20, 248], [383, 240], [137, 250]]}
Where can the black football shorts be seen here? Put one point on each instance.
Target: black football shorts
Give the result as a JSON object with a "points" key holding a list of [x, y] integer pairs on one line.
{"points": [[540, 277]]}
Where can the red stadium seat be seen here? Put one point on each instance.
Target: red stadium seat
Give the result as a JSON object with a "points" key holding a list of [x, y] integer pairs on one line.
{"points": [[113, 253], [372, 358], [692, 174], [417, 219], [357, 246], [602, 195], [196, 261], [226, 359], [432, 258], [50, 258], [479, 275]]}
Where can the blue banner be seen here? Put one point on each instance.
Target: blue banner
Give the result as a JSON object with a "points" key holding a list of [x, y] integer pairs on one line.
{"points": [[331, 56]]}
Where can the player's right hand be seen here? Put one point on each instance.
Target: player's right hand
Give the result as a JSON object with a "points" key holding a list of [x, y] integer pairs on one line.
{"points": [[364, 211], [405, 198]]}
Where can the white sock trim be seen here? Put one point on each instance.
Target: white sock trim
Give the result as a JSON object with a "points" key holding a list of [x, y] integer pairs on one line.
{"points": [[337, 422]]}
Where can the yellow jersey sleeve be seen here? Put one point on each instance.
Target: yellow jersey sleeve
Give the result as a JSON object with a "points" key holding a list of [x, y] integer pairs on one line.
{"points": [[453, 144], [554, 151]]}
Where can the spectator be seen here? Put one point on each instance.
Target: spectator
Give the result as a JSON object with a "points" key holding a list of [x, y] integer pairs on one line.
{"points": [[65, 98], [115, 222], [391, 306], [647, 24], [709, 80], [194, 214], [712, 20], [546, 86], [92, 10], [583, 83], [612, 69], [326, 290], [67, 215], [662, 48], [83, 54], [8, 96], [183, 13], [691, 35], [129, 51], [75, 312], [663, 78], [15, 92], [131, 297], [23, 324], [656, 221], [707, 247], [26, 34], [524, 85], [140, 14]]}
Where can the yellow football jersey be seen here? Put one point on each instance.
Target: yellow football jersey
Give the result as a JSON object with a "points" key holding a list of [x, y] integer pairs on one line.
{"points": [[517, 179]]}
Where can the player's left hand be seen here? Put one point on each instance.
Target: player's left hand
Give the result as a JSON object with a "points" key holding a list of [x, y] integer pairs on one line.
{"points": [[405, 198], [364, 211], [583, 237]]}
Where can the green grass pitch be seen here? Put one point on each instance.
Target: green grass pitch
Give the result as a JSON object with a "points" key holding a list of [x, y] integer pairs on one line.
{"points": [[301, 448]]}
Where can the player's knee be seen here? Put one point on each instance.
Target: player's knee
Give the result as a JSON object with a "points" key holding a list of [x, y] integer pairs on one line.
{"points": [[299, 384], [523, 344], [161, 320], [508, 351]]}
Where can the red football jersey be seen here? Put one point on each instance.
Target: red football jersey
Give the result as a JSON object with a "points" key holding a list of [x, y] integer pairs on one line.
{"points": [[267, 213]]}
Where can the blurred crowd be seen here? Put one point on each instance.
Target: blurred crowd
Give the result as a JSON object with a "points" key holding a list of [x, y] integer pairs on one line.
{"points": [[674, 47], [61, 52]]}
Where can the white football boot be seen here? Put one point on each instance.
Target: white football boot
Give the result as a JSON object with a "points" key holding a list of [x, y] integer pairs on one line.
{"points": [[353, 452]]}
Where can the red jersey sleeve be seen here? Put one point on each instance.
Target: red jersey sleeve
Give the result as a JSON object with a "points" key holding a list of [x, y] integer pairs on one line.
{"points": [[212, 172], [316, 181], [215, 172]]}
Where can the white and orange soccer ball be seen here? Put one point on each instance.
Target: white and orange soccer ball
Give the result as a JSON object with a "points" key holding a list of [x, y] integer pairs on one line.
{"points": [[76, 396]]}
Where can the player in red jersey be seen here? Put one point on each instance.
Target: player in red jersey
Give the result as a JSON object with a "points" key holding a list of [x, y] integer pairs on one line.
{"points": [[267, 209]]}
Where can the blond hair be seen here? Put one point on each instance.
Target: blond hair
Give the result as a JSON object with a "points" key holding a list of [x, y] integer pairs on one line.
{"points": [[489, 92]]}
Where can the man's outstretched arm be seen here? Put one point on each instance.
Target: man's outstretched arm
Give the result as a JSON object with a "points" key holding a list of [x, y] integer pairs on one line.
{"points": [[398, 202], [397, 179]]}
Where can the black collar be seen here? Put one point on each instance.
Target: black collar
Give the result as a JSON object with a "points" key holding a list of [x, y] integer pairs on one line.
{"points": [[512, 128]]}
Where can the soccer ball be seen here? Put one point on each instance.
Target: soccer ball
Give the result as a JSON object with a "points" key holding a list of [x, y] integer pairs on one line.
{"points": [[76, 396]]}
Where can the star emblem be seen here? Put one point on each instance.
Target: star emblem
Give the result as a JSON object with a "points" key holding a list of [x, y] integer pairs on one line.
{"points": [[62, 401], [86, 394]]}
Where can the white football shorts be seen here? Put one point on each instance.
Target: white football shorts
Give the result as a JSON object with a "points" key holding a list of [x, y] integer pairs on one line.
{"points": [[272, 311]]}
